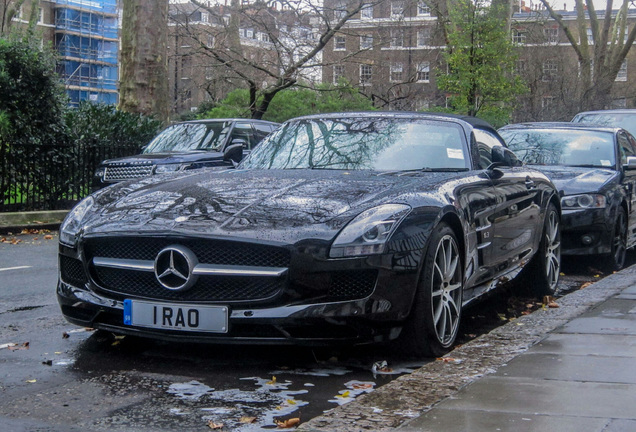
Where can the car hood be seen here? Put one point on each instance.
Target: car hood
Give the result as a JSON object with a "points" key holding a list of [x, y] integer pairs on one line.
{"points": [[165, 158], [575, 180], [270, 205]]}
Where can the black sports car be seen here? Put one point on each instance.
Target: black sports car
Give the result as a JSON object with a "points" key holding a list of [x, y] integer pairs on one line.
{"points": [[356, 227], [594, 169]]}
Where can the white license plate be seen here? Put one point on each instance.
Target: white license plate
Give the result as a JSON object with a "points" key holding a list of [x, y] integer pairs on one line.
{"points": [[186, 317]]}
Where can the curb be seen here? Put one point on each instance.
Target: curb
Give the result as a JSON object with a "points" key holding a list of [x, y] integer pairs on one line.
{"points": [[410, 396], [15, 222]]}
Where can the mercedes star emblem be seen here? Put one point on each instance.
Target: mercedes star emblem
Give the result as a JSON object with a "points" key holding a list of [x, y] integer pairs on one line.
{"points": [[173, 268]]}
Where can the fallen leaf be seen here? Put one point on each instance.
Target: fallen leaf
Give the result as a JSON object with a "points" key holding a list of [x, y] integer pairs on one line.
{"points": [[65, 335], [272, 382], [381, 366], [48, 362], [215, 426], [553, 305], [547, 299], [360, 386], [289, 423], [291, 401], [586, 284], [48, 237], [346, 394], [15, 347], [31, 381], [597, 276], [247, 420]]}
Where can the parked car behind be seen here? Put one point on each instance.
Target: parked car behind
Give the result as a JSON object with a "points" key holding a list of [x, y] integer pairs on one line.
{"points": [[185, 146], [594, 169], [351, 227], [623, 118]]}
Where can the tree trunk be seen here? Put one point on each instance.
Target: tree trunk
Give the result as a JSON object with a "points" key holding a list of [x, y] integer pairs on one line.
{"points": [[143, 86]]}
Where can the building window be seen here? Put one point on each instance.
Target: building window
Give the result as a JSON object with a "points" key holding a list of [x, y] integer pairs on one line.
{"points": [[365, 74], [550, 70], [619, 103], [339, 43], [338, 73], [622, 72], [424, 37], [186, 67], [40, 15], [366, 13], [366, 42], [210, 41], [397, 70], [340, 10], [424, 72], [397, 38], [518, 37], [209, 72], [423, 9], [397, 8], [551, 35], [265, 37], [590, 36]]}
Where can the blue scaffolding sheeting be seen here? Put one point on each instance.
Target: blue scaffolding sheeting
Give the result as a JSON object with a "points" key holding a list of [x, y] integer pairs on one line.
{"points": [[86, 37]]}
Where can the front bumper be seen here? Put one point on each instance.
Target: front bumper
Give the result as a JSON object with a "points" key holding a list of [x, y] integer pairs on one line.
{"points": [[586, 232], [301, 313]]}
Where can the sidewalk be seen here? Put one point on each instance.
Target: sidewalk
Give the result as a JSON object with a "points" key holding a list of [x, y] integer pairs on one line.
{"points": [[581, 377], [567, 369]]}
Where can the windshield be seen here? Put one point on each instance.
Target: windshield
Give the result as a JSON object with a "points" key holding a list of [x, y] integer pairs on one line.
{"points": [[626, 121], [562, 146], [365, 143], [185, 137]]}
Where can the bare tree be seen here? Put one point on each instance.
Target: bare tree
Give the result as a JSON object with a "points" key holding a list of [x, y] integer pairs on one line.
{"points": [[265, 47], [601, 51], [144, 67]]}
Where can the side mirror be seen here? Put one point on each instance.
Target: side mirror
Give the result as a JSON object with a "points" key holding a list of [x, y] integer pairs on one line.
{"points": [[234, 152], [631, 163], [503, 157], [239, 141]]}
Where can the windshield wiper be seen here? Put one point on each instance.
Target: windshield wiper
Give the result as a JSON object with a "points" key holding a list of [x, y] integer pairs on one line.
{"points": [[590, 166]]}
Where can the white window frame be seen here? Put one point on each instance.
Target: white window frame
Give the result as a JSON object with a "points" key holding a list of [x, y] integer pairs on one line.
{"points": [[366, 13], [551, 35], [423, 9], [366, 74], [622, 72], [397, 8], [550, 70], [423, 72], [337, 41], [518, 37], [396, 72], [424, 37], [339, 74], [366, 42], [397, 38]]}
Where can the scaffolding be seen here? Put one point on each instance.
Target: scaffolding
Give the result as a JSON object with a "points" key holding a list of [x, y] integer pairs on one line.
{"points": [[86, 37]]}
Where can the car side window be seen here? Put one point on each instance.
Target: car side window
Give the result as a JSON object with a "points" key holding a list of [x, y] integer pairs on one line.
{"points": [[245, 132], [261, 131], [625, 147], [485, 142]]}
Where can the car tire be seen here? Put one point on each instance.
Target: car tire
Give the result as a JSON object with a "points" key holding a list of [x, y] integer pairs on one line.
{"points": [[433, 323], [616, 258], [541, 276]]}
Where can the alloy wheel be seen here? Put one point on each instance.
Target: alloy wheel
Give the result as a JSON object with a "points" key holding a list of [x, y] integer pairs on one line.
{"points": [[553, 250], [446, 290]]}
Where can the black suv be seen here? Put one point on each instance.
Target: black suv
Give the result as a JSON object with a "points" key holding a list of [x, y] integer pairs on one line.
{"points": [[185, 146]]}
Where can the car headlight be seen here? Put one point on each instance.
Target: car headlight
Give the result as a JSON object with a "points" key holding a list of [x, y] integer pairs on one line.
{"points": [[99, 172], [72, 224], [161, 169], [583, 201], [368, 233]]}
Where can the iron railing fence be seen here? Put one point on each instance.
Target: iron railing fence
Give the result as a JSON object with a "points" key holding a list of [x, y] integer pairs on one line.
{"points": [[50, 177]]}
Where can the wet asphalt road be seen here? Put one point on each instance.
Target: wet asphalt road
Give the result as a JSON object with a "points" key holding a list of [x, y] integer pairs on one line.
{"points": [[68, 378]]}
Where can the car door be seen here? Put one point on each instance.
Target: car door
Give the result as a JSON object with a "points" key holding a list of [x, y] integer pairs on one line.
{"points": [[627, 147], [516, 221]]}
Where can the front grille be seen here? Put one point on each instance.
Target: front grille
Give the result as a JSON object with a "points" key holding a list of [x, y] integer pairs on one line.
{"points": [[72, 271], [125, 283], [352, 285], [207, 251], [127, 172], [208, 288]]}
